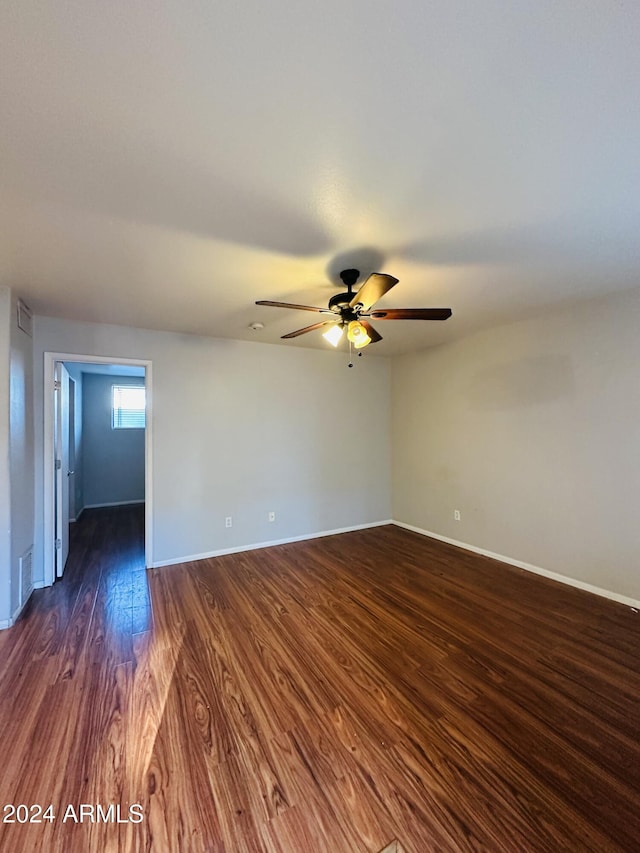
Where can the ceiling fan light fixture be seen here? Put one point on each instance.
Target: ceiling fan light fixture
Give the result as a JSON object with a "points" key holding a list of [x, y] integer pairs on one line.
{"points": [[348, 311], [333, 334], [357, 334]]}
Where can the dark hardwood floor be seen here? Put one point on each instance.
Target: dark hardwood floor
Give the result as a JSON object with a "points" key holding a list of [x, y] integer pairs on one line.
{"points": [[334, 695]]}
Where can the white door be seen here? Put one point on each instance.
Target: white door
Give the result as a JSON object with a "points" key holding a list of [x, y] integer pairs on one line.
{"points": [[62, 472]]}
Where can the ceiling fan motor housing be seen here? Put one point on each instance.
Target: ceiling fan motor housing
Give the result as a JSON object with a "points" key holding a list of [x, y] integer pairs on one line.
{"points": [[340, 302]]}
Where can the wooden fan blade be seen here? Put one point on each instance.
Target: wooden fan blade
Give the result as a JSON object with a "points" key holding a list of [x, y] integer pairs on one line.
{"points": [[375, 337], [411, 314], [373, 289], [307, 329], [292, 305]]}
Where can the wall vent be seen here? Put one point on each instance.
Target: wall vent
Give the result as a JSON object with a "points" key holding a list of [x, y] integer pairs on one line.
{"points": [[26, 575], [25, 318]]}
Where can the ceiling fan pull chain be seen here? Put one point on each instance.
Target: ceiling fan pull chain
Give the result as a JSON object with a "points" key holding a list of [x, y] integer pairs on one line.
{"points": [[350, 360]]}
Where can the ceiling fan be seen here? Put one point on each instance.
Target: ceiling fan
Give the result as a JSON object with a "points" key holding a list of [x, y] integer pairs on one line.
{"points": [[351, 311]]}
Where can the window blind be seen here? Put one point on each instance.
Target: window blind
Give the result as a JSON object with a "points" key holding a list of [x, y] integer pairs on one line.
{"points": [[128, 407]]}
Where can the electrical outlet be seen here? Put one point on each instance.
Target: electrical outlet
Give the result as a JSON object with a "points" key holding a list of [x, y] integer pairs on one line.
{"points": [[456, 515], [272, 516], [228, 522]]}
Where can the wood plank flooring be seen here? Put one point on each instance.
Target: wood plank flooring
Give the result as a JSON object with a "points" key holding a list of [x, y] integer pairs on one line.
{"points": [[360, 692]]}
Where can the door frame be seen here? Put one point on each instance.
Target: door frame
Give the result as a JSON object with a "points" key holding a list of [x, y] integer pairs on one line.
{"points": [[50, 359], [62, 430]]}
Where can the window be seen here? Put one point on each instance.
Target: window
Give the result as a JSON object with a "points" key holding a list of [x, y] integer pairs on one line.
{"points": [[128, 406]]}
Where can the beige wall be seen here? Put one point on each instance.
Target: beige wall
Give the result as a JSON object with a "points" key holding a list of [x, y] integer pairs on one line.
{"points": [[21, 460], [240, 429], [5, 491], [16, 453], [532, 431]]}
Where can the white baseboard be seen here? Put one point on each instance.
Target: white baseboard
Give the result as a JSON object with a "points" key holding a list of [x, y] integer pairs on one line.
{"points": [[114, 503], [221, 552], [19, 609], [605, 593], [7, 623]]}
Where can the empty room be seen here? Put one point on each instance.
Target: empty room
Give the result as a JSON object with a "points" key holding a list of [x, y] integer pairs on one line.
{"points": [[319, 427]]}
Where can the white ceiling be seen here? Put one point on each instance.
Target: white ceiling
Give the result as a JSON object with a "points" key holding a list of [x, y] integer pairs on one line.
{"points": [[164, 165]]}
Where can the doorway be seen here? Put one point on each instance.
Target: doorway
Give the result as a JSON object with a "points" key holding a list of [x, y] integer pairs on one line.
{"points": [[62, 454]]}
